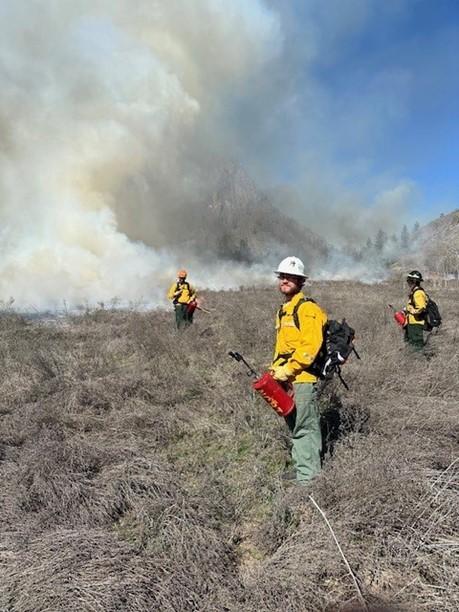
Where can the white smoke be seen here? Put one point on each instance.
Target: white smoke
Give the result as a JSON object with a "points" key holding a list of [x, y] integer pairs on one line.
{"points": [[96, 96], [344, 217]]}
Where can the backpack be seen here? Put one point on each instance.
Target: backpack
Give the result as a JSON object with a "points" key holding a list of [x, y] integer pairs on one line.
{"points": [[186, 283], [432, 315], [337, 346], [177, 288]]}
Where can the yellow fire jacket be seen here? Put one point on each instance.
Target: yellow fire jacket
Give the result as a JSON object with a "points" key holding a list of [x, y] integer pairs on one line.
{"points": [[181, 292], [297, 346], [416, 306]]}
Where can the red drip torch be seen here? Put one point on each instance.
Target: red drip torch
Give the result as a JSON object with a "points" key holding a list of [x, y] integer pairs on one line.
{"points": [[191, 306], [280, 399], [195, 305], [399, 316]]}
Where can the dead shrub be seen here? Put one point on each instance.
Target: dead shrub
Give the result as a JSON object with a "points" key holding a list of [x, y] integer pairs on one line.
{"points": [[139, 471]]}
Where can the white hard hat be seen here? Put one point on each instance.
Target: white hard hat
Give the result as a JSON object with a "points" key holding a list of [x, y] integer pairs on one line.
{"points": [[291, 265]]}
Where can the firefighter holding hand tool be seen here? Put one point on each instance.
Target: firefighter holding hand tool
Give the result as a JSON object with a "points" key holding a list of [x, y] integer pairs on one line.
{"points": [[300, 332], [183, 297]]}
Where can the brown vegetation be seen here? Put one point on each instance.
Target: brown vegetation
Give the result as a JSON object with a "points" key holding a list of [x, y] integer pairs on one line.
{"points": [[139, 473], [436, 250]]}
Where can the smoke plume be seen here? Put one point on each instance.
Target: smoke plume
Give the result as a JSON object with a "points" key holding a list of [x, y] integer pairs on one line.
{"points": [[108, 115], [117, 118]]}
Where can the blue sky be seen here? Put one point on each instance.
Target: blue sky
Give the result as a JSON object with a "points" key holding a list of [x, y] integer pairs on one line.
{"points": [[419, 49], [364, 96]]}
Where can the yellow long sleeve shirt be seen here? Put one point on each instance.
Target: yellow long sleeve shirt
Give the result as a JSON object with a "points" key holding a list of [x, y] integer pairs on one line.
{"points": [[181, 293], [416, 307], [297, 346]]}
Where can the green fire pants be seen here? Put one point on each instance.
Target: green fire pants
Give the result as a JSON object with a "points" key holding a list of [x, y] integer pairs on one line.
{"points": [[414, 335], [182, 317], [304, 424]]}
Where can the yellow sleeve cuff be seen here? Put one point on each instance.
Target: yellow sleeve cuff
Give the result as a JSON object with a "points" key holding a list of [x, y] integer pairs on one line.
{"points": [[282, 373]]}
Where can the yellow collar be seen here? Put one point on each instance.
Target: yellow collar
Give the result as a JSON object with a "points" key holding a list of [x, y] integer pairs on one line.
{"points": [[288, 307]]}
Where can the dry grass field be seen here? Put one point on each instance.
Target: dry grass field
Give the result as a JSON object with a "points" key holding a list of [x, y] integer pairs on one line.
{"points": [[139, 473]]}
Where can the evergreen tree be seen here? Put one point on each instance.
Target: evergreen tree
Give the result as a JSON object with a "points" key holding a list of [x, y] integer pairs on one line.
{"points": [[405, 238], [380, 240]]}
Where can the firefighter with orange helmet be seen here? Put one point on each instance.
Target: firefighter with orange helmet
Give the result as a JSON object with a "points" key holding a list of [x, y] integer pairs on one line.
{"points": [[183, 297], [300, 326]]}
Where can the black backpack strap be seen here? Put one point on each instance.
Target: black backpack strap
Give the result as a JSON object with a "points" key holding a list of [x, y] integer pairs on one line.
{"points": [[280, 313], [296, 318], [284, 356], [177, 288]]}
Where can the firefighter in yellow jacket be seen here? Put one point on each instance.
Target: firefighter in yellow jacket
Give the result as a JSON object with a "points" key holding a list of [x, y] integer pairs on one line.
{"points": [[300, 326], [415, 311], [183, 297]]}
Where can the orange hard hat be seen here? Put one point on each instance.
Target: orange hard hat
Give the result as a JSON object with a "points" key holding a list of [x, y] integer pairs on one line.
{"points": [[182, 274]]}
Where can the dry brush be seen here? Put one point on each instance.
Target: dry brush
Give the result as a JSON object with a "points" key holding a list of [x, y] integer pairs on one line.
{"points": [[140, 473]]}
